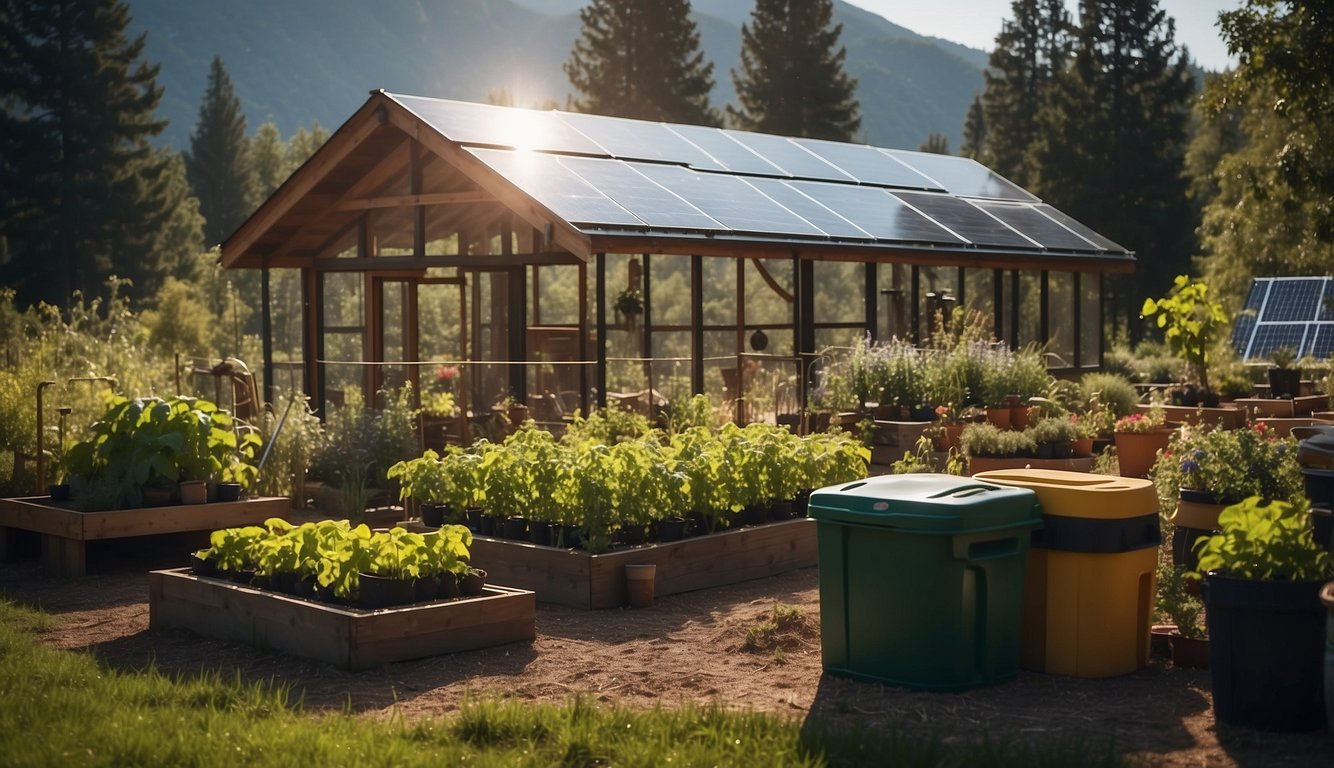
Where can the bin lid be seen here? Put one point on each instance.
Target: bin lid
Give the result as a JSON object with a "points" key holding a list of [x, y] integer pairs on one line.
{"points": [[927, 503], [1081, 494]]}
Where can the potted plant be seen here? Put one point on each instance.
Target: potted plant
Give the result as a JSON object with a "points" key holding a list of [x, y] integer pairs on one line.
{"points": [[1055, 437], [1262, 579], [1191, 323], [391, 568], [1284, 378], [1176, 602], [1211, 468], [1139, 438]]}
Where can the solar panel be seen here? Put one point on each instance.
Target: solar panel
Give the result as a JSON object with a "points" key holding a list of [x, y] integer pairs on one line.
{"points": [[961, 176], [553, 185], [729, 200], [881, 214], [789, 156], [807, 208], [638, 140], [492, 126], [633, 191], [1099, 242], [1292, 300], [868, 165], [726, 151], [1035, 226], [965, 220], [1286, 312]]}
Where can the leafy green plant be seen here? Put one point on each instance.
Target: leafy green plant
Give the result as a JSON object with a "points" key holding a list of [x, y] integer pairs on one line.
{"points": [[981, 440], [1175, 602], [397, 554], [1269, 541], [235, 549], [1283, 357], [1054, 429], [1191, 323], [1109, 390], [1233, 464]]}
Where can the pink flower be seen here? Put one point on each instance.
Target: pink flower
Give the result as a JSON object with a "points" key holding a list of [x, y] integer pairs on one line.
{"points": [[446, 373]]}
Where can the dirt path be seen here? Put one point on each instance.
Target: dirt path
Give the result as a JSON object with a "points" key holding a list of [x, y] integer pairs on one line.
{"points": [[687, 647]]}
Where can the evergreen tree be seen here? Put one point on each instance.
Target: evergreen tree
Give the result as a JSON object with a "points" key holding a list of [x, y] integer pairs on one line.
{"points": [[83, 194], [1030, 49], [974, 130], [641, 59], [1110, 145], [217, 166], [792, 81], [936, 143]]}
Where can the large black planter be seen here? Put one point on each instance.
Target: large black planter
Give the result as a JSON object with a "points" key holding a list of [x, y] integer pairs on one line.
{"points": [[1266, 652], [384, 592], [1285, 382]]}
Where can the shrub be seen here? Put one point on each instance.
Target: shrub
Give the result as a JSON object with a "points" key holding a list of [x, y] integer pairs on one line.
{"points": [[1110, 389]]}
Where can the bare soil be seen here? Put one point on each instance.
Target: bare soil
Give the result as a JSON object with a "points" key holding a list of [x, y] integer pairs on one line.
{"points": [[718, 645]]}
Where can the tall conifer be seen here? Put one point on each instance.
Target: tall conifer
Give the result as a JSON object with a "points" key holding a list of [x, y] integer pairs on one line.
{"points": [[974, 130], [641, 59], [83, 194], [219, 171], [792, 80], [1030, 49], [1111, 142]]}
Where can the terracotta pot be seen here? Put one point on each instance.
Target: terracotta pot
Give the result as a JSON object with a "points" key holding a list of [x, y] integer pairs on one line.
{"points": [[1019, 417], [194, 492], [1084, 446], [1189, 652], [639, 584], [999, 417], [1137, 451], [947, 437]]}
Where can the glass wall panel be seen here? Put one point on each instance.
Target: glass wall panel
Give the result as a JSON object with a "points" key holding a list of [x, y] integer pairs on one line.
{"points": [[1061, 318], [894, 301], [1090, 320]]}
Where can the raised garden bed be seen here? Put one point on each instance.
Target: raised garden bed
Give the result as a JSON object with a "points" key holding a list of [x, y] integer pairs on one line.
{"points": [[65, 531], [581, 580], [345, 637]]}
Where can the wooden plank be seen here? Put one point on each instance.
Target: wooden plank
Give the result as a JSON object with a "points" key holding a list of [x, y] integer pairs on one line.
{"points": [[176, 519], [36, 513], [581, 580], [400, 201], [348, 638], [64, 557]]}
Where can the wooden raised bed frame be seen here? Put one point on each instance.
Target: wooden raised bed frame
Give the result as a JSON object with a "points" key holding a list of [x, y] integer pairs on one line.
{"points": [[345, 637], [65, 531], [581, 580]]}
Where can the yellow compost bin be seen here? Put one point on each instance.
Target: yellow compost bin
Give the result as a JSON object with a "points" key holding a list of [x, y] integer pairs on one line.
{"points": [[1088, 590]]}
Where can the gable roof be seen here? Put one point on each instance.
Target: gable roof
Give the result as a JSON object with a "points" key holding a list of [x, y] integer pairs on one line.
{"points": [[589, 183]]}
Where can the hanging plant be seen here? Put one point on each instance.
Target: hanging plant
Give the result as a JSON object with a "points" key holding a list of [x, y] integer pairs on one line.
{"points": [[629, 303]]}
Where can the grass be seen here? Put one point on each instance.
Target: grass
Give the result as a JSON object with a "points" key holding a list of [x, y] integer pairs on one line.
{"points": [[63, 708]]}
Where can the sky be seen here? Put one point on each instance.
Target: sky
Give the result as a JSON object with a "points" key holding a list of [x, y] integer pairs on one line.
{"points": [[976, 23]]}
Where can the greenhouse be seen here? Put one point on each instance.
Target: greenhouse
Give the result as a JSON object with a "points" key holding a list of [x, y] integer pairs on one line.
{"points": [[499, 255]]}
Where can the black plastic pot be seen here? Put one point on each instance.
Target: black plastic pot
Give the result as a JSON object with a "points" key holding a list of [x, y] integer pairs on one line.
{"points": [[433, 515], [1322, 530], [202, 566], [229, 491], [1319, 485], [425, 590], [472, 583], [515, 528], [539, 532], [384, 592], [1266, 652], [1285, 382], [671, 529], [58, 491], [447, 586]]}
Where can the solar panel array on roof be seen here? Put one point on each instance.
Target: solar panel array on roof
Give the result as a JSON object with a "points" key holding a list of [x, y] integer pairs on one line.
{"points": [[1286, 312], [608, 174]]}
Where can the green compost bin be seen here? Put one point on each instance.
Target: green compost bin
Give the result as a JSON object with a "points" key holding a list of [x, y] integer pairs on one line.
{"points": [[922, 579]]}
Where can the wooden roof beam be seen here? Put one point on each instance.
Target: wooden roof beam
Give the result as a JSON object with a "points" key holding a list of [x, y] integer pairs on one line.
{"points": [[401, 201]]}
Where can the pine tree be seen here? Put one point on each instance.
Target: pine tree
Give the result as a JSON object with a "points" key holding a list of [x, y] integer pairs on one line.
{"points": [[792, 80], [974, 130], [641, 59], [219, 171], [1030, 49], [83, 194], [936, 143], [1111, 141]]}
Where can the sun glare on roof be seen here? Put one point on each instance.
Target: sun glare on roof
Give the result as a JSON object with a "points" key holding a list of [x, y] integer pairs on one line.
{"points": [[523, 129]]}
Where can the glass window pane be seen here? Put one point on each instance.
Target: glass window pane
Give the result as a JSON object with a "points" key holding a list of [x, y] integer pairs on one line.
{"points": [[1090, 320], [1061, 317]]}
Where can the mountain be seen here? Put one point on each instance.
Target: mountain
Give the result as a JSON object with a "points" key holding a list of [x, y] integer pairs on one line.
{"points": [[298, 61]]}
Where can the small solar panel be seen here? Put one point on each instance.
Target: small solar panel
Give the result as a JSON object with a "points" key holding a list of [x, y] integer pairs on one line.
{"points": [[729, 200], [638, 140], [965, 220], [869, 165], [1034, 225], [726, 151], [1286, 312], [961, 175], [492, 126], [881, 214], [807, 208], [553, 185], [791, 157], [635, 192]]}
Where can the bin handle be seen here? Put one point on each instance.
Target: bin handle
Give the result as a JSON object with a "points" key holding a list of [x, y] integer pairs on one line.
{"points": [[965, 490], [993, 549]]}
